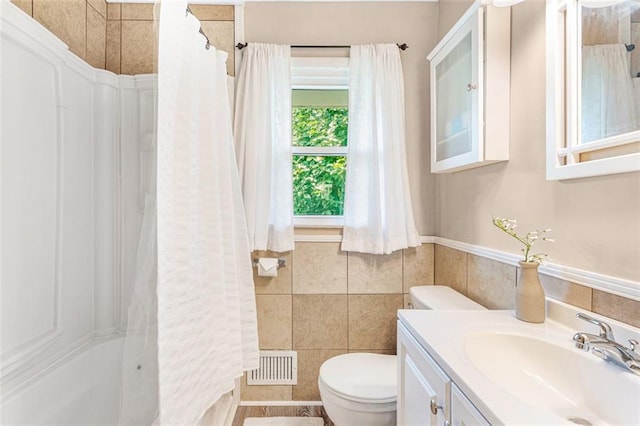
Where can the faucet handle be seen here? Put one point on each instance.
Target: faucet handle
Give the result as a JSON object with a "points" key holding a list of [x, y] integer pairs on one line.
{"points": [[633, 344], [581, 341], [605, 329]]}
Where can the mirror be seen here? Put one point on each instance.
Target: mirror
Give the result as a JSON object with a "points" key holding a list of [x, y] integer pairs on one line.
{"points": [[593, 88], [610, 68]]}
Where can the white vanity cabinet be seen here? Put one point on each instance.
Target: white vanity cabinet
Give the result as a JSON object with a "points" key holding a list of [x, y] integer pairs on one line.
{"points": [[424, 389], [470, 78], [426, 394]]}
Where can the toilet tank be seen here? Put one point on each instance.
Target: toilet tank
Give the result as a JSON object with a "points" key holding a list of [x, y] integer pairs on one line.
{"points": [[441, 297]]}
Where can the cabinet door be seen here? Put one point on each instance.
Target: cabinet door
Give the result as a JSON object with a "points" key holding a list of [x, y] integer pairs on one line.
{"points": [[463, 412], [419, 396], [423, 390], [456, 99]]}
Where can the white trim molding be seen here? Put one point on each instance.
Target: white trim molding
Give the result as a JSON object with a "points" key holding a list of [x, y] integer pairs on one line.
{"points": [[311, 238], [280, 403], [303, 238], [614, 285], [242, 2]]}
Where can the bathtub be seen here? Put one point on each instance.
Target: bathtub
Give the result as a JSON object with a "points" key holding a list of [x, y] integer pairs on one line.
{"points": [[82, 389]]}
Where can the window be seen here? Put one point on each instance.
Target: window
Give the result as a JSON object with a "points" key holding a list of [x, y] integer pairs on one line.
{"points": [[319, 119], [593, 88]]}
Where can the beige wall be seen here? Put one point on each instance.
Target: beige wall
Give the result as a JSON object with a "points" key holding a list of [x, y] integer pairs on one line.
{"points": [[449, 12], [120, 38], [595, 221], [327, 302], [361, 23]]}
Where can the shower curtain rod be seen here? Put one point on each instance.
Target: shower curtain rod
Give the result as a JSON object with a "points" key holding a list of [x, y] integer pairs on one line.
{"points": [[402, 46], [201, 31]]}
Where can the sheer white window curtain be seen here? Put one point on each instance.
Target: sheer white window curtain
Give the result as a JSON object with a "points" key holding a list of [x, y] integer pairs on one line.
{"points": [[263, 145], [378, 214]]}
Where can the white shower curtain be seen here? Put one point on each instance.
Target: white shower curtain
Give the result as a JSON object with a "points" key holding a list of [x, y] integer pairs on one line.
{"points": [[378, 216], [207, 332], [608, 95], [263, 145]]}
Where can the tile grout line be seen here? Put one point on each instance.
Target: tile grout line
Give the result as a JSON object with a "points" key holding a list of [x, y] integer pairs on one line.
{"points": [[348, 304], [86, 28], [121, 43]]}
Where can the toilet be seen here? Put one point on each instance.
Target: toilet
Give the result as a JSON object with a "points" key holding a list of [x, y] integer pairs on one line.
{"points": [[361, 388]]}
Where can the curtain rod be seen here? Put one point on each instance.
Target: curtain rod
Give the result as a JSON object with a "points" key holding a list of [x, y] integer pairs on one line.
{"points": [[402, 46]]}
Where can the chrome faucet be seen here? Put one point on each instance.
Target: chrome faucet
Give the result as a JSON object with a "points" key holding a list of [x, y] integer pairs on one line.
{"points": [[604, 346]]}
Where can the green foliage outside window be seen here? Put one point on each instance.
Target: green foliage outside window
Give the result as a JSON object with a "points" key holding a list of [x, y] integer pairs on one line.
{"points": [[318, 181], [319, 126]]}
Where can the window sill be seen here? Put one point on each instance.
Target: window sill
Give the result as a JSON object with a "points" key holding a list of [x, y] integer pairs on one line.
{"points": [[318, 221]]}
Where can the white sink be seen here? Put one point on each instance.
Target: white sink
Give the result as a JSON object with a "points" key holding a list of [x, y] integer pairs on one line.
{"points": [[556, 377]]}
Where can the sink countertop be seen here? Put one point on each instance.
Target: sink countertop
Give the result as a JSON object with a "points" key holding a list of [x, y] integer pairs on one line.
{"points": [[442, 334]]}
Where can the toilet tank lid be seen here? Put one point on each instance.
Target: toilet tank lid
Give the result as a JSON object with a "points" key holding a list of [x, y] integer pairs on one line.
{"points": [[441, 297], [362, 376]]}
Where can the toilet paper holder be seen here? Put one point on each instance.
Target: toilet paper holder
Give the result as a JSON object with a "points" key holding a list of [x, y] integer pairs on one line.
{"points": [[282, 262]]}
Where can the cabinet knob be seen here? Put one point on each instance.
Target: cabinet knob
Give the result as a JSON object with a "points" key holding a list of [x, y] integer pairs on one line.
{"points": [[435, 406], [471, 87]]}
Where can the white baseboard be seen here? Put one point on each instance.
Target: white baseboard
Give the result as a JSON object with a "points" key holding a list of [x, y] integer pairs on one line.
{"points": [[280, 403]]}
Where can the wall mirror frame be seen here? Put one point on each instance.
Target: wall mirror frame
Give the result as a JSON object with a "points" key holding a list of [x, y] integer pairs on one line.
{"points": [[572, 149]]}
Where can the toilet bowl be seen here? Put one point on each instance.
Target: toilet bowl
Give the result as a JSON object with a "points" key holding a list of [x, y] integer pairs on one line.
{"points": [[361, 388]]}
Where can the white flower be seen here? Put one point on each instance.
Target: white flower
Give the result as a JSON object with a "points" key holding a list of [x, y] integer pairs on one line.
{"points": [[509, 225]]}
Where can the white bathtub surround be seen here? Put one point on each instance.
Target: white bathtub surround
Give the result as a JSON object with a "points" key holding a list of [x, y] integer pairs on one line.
{"points": [[378, 216], [139, 396], [59, 191], [263, 145], [81, 389], [207, 332]]}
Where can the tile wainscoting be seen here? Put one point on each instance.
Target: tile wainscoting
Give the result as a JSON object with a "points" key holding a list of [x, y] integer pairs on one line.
{"points": [[492, 283], [327, 302]]}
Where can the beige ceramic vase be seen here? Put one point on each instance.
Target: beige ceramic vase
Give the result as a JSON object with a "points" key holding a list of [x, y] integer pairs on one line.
{"points": [[530, 302]]}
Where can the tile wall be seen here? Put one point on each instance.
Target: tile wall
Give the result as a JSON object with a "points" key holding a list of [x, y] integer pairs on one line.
{"points": [[327, 302], [81, 24], [120, 37], [492, 284]]}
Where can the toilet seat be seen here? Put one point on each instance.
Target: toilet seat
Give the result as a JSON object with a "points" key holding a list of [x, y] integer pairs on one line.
{"points": [[361, 377]]}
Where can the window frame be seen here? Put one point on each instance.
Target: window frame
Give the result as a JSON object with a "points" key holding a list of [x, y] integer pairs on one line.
{"points": [[564, 86], [319, 73]]}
